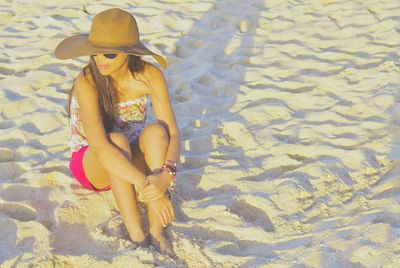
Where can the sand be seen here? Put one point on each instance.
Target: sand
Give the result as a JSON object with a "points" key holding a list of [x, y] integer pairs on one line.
{"points": [[290, 120]]}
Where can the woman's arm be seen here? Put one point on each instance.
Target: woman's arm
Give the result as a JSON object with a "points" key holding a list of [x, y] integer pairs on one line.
{"points": [[164, 112], [165, 115], [111, 158]]}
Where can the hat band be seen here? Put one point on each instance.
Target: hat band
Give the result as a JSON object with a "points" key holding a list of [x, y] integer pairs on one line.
{"points": [[114, 41]]}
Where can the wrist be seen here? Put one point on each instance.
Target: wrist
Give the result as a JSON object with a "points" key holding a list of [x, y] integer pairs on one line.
{"points": [[170, 170], [170, 167], [143, 184]]}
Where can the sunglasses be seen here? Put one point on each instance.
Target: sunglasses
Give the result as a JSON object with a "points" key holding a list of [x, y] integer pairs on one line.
{"points": [[110, 56]]}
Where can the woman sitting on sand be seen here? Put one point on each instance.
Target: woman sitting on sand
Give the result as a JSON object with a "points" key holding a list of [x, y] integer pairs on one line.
{"points": [[111, 146]]}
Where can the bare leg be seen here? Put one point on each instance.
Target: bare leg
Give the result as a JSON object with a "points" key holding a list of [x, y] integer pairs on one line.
{"points": [[154, 143], [123, 192], [125, 197]]}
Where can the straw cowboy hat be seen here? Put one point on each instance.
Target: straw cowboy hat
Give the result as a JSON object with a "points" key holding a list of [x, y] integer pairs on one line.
{"points": [[112, 31]]}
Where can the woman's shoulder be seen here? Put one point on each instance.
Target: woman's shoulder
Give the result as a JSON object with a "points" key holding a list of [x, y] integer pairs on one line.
{"points": [[153, 75], [84, 84], [151, 71]]}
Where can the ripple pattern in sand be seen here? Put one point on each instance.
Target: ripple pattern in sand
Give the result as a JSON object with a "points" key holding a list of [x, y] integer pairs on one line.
{"points": [[301, 139], [289, 118]]}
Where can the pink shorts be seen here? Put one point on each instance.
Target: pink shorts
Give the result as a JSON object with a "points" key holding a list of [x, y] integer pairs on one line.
{"points": [[76, 167]]}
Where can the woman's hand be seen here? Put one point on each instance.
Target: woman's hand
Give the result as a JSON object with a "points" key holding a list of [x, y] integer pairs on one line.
{"points": [[158, 185], [163, 209]]}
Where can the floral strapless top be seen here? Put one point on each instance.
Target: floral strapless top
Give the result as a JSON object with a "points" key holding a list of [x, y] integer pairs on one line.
{"points": [[130, 121]]}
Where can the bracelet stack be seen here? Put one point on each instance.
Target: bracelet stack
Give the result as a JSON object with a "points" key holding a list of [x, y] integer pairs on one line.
{"points": [[170, 168]]}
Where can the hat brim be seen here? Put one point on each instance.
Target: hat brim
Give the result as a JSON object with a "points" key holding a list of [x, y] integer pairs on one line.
{"points": [[79, 45]]}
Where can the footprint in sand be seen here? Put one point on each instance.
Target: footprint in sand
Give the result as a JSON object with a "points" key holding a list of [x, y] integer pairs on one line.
{"points": [[6, 154], [18, 193], [19, 212], [114, 227], [10, 171], [252, 214]]}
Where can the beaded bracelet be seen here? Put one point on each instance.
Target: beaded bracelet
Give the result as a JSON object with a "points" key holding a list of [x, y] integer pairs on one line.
{"points": [[171, 162], [170, 168]]}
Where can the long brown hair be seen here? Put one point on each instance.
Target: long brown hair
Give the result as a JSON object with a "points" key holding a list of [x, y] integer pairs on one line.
{"points": [[108, 96]]}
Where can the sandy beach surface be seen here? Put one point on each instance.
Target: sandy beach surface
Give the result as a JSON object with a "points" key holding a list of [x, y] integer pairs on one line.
{"points": [[290, 119]]}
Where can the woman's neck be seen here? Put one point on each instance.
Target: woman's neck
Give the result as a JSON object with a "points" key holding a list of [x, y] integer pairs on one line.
{"points": [[120, 75]]}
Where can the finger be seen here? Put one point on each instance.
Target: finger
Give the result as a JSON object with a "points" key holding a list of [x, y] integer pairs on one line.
{"points": [[172, 212], [169, 212], [151, 192], [149, 195], [165, 217], [160, 216], [159, 212], [144, 193], [148, 188], [152, 197], [146, 197]]}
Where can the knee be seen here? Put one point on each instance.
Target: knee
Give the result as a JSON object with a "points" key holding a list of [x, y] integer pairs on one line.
{"points": [[156, 132], [120, 140]]}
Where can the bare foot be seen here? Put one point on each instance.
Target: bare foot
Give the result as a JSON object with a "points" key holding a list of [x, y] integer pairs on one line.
{"points": [[140, 239], [162, 245], [142, 243]]}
